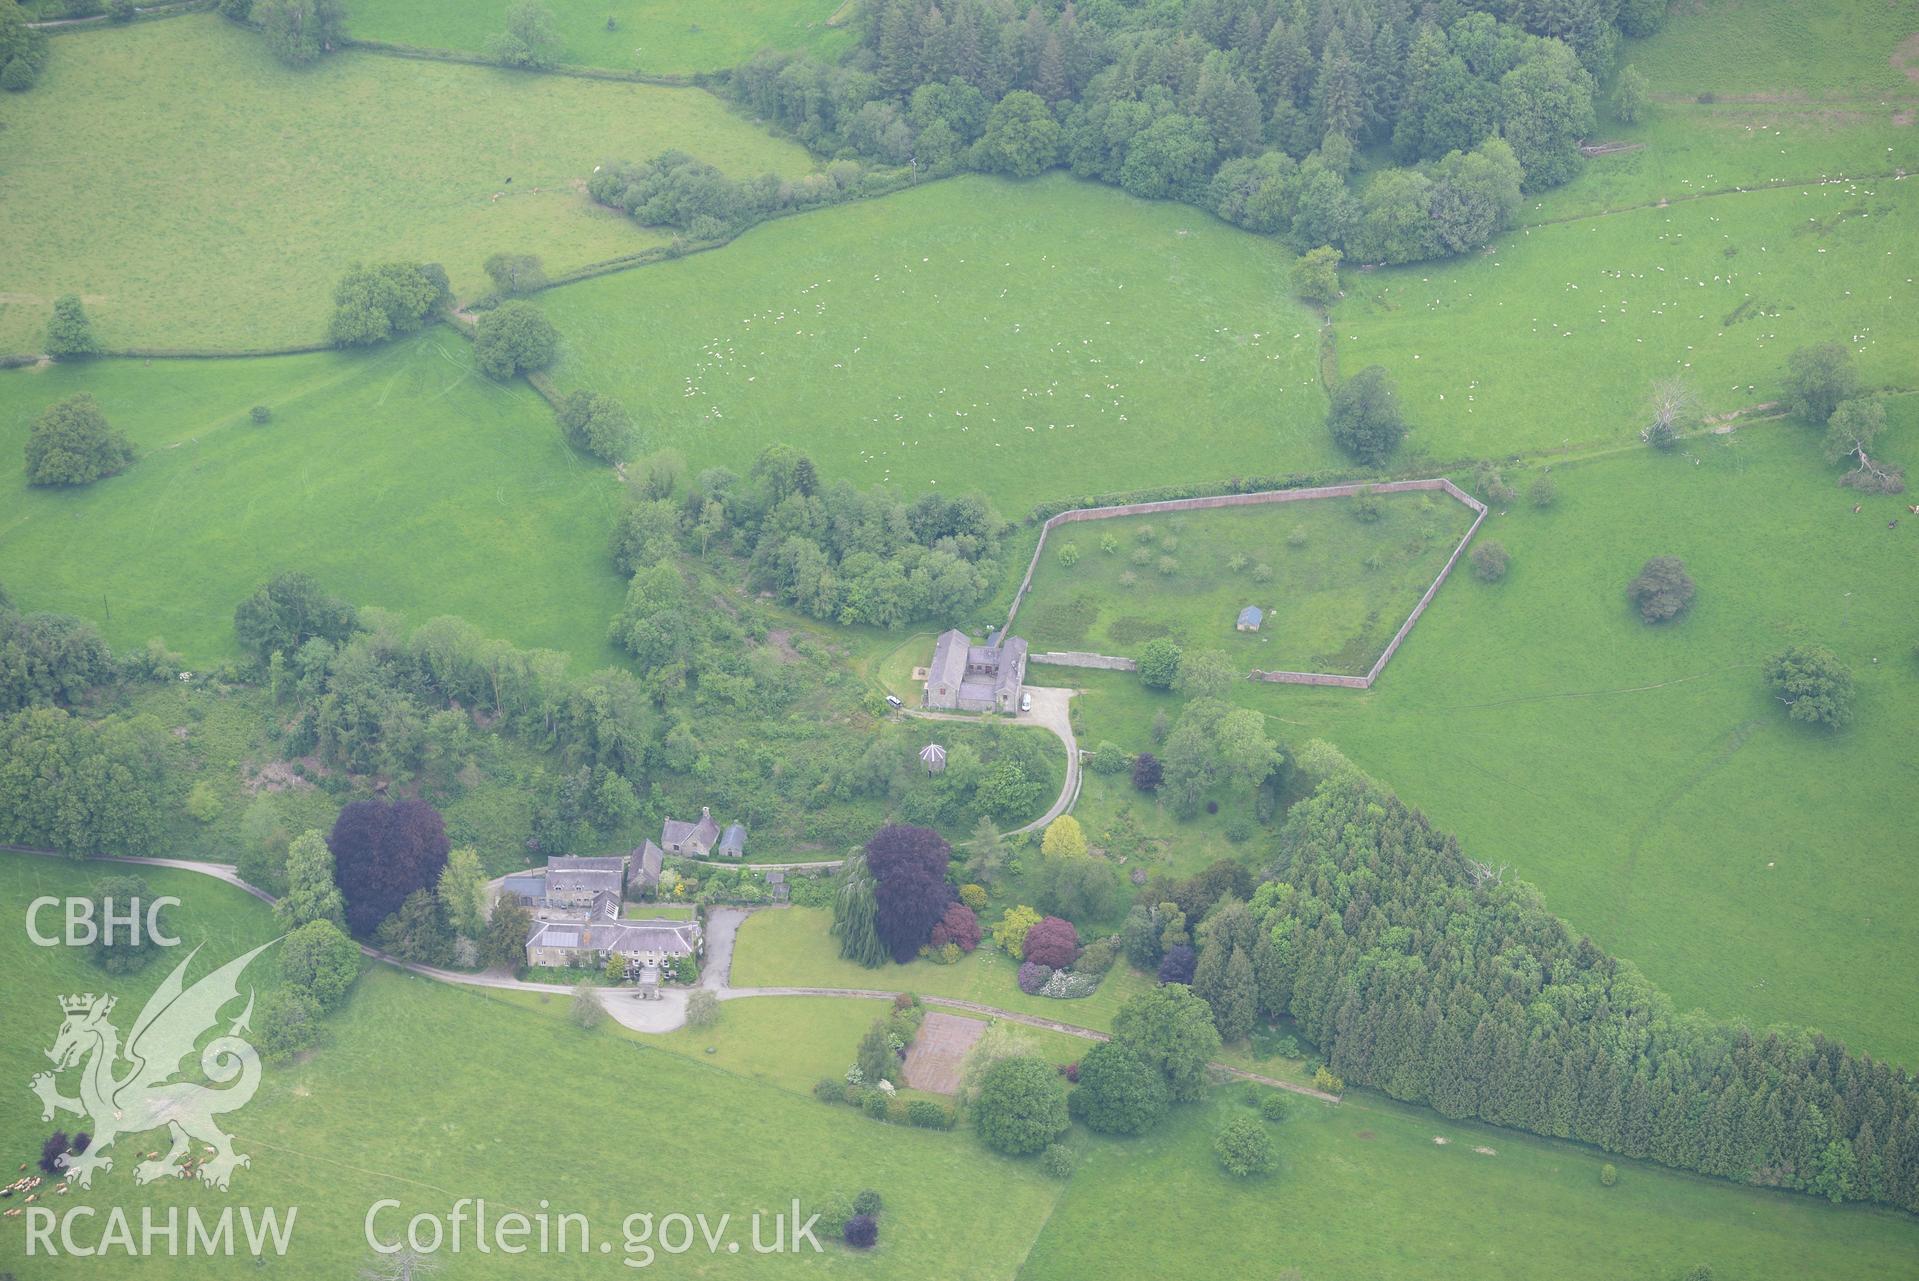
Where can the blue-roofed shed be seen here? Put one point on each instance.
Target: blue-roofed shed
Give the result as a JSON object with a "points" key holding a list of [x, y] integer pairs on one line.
{"points": [[1250, 618]]}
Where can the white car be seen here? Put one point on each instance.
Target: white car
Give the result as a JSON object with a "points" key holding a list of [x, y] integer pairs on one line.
{"points": [[1026, 702]]}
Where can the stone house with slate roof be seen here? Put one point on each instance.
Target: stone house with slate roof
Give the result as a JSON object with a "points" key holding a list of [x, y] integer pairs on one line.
{"points": [[588, 943], [976, 678], [691, 839]]}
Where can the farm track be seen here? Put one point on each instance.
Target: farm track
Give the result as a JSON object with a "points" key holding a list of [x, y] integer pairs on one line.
{"points": [[494, 980]]}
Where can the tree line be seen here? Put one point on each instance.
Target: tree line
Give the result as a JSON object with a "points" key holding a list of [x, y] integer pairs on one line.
{"points": [[1437, 980], [1251, 109]]}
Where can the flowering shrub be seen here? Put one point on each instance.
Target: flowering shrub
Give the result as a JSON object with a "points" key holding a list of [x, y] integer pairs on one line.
{"points": [[1064, 985], [1033, 976]]}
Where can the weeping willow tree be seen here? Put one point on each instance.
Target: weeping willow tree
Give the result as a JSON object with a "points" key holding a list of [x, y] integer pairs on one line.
{"points": [[855, 913]]}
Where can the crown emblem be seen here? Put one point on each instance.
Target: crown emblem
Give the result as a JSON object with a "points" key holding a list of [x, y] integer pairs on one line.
{"points": [[86, 1004]]}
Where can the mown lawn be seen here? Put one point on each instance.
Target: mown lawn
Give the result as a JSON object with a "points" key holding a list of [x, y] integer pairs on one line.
{"points": [[361, 1120], [1643, 777], [1333, 588], [1026, 340], [227, 228], [660, 36], [1364, 1191], [399, 477], [790, 947]]}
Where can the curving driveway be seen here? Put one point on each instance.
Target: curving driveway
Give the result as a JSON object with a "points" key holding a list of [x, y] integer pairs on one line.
{"points": [[1051, 711]]}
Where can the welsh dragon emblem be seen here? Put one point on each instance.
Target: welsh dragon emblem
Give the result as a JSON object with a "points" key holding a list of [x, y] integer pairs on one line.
{"points": [[127, 1090]]}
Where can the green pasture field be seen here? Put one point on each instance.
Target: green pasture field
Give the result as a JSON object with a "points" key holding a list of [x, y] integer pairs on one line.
{"points": [[1555, 336], [227, 228], [1720, 151], [1340, 587], [1363, 1190], [399, 477], [658, 36], [1026, 340], [1782, 50], [1642, 776], [791, 948], [356, 1122]]}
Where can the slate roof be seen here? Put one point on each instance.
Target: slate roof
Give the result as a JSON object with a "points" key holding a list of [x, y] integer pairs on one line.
{"points": [[566, 873], [1251, 616], [531, 885], [949, 659], [672, 938], [648, 859], [674, 832], [734, 841]]}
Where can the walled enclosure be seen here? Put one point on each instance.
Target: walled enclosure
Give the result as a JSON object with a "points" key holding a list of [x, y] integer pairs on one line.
{"points": [[1250, 500]]}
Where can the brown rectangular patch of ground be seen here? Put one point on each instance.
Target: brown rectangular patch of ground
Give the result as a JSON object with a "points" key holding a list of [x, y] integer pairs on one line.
{"points": [[933, 1060]]}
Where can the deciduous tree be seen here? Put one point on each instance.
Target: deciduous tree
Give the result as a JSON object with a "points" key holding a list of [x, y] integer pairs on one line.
{"points": [[300, 31], [312, 894], [910, 890], [71, 443], [1021, 1106], [383, 853], [530, 39], [1813, 683], [286, 612], [514, 338], [1365, 417], [1064, 838], [597, 424], [69, 332], [1818, 378], [1052, 942], [320, 960], [1316, 275], [1118, 1092], [1172, 1030], [1662, 590]]}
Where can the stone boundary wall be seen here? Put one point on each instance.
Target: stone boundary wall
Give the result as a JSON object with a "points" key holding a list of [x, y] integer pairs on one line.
{"points": [[1078, 658], [1111, 663]]}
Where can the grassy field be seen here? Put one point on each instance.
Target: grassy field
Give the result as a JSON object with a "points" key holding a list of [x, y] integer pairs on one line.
{"points": [[1718, 291], [1782, 50], [1364, 1191], [660, 36], [357, 1121], [1339, 587], [792, 1041], [1643, 777], [791, 948], [399, 477], [243, 211], [1029, 340]]}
